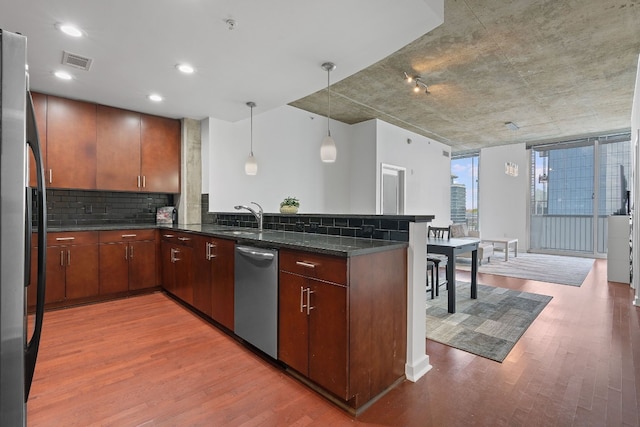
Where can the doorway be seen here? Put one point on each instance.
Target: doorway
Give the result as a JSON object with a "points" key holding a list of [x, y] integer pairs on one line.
{"points": [[392, 189]]}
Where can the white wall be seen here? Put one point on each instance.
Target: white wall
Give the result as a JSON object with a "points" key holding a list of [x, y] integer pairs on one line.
{"points": [[286, 144], [635, 187], [428, 170], [503, 198]]}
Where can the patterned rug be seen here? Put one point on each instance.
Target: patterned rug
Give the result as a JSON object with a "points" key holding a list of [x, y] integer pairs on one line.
{"points": [[563, 270], [488, 326]]}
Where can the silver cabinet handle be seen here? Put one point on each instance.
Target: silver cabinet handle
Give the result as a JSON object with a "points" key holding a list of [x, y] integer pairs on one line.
{"points": [[62, 258], [124, 236], [126, 252], [68, 257], [305, 264], [138, 181], [302, 306], [309, 307], [174, 252], [50, 176], [64, 239], [184, 239], [168, 236], [131, 252], [144, 181]]}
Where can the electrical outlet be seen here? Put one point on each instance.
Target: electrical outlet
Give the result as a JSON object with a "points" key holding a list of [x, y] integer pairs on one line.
{"points": [[299, 226], [88, 209], [367, 230], [313, 226]]}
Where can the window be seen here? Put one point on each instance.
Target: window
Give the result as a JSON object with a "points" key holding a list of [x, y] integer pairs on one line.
{"points": [[464, 190]]}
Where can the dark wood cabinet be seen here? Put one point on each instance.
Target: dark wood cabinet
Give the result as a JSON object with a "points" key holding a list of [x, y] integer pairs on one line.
{"points": [[40, 109], [72, 266], [177, 261], [214, 278], [342, 321], [313, 320], [127, 260], [160, 154], [118, 149], [71, 144]]}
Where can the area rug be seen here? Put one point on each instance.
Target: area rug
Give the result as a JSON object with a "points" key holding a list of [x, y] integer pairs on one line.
{"points": [[563, 270], [488, 326]]}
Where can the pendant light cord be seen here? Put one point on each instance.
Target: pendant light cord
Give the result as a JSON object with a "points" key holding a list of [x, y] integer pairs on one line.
{"points": [[329, 102], [251, 130]]}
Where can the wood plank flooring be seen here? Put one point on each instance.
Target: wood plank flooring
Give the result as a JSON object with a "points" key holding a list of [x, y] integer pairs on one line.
{"points": [[148, 361]]}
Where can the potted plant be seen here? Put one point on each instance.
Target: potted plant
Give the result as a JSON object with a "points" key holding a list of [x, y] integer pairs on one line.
{"points": [[289, 205]]}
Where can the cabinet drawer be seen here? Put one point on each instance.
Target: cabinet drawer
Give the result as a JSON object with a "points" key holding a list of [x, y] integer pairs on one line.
{"points": [[317, 266], [185, 239], [126, 235], [72, 238]]}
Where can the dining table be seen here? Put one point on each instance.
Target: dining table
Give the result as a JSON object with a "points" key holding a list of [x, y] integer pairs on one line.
{"points": [[450, 248]]}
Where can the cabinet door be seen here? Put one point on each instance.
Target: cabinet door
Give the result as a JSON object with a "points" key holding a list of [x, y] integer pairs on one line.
{"points": [[55, 286], [222, 282], [168, 267], [293, 323], [160, 154], [183, 273], [202, 266], [328, 337], [71, 144], [142, 265], [114, 268], [40, 108], [118, 149], [82, 277]]}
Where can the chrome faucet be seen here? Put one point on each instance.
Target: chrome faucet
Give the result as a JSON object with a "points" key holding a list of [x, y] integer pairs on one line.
{"points": [[258, 214]]}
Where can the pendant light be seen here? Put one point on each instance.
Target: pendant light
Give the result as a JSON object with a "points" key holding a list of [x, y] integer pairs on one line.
{"points": [[251, 166], [328, 151]]}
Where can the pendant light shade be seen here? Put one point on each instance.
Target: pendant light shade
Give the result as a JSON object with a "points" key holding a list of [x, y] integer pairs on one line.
{"points": [[251, 165], [328, 150]]}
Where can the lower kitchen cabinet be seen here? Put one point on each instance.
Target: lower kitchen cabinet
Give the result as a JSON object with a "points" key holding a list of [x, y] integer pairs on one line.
{"points": [[313, 330], [127, 260], [177, 259], [72, 266], [214, 278], [342, 321]]}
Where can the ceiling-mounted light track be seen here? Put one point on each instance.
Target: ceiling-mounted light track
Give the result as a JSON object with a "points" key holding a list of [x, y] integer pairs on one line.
{"points": [[419, 84]]}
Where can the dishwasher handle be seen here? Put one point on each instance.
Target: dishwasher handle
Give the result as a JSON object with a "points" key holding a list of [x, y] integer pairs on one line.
{"points": [[255, 253]]}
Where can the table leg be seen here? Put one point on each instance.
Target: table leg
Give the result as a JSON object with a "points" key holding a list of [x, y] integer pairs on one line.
{"points": [[451, 282], [515, 249], [506, 251], [474, 274]]}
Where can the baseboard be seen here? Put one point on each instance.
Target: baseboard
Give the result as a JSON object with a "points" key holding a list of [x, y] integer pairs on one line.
{"points": [[417, 370]]}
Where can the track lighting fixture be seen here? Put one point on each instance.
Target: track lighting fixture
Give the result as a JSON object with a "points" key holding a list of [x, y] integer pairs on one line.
{"points": [[419, 83]]}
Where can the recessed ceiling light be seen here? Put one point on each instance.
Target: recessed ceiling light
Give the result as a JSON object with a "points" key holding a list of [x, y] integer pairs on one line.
{"points": [[63, 75], [155, 97], [186, 68], [70, 30]]}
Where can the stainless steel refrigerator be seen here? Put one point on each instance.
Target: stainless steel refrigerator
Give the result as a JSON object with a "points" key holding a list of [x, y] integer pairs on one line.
{"points": [[18, 138]]}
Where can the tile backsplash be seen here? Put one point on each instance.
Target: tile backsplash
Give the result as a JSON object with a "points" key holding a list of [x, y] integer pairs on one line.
{"points": [[80, 207]]}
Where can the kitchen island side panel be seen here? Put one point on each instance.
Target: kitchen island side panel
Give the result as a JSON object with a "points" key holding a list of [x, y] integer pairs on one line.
{"points": [[378, 315]]}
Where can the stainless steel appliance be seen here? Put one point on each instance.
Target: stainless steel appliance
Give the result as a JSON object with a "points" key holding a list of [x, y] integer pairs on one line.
{"points": [[256, 297], [17, 132]]}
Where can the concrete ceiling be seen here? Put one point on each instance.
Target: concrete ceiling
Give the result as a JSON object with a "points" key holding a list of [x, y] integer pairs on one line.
{"points": [[272, 56], [558, 69]]}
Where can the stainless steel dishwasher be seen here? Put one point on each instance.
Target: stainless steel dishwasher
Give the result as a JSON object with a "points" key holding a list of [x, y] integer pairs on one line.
{"points": [[256, 297]]}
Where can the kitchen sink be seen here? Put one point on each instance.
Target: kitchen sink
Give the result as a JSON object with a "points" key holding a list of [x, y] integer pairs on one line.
{"points": [[237, 232]]}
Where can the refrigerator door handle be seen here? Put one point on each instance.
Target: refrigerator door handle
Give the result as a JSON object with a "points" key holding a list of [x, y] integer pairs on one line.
{"points": [[31, 349]]}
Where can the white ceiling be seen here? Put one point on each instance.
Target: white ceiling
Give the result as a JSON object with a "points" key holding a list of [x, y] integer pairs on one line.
{"points": [[271, 57]]}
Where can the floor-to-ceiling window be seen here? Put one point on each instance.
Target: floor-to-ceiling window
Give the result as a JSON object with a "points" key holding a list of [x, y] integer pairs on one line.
{"points": [[464, 190], [575, 186]]}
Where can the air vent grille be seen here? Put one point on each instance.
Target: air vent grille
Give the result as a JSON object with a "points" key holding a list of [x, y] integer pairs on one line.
{"points": [[445, 153], [76, 61]]}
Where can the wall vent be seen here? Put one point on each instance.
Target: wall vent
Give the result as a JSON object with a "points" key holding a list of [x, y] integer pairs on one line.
{"points": [[445, 153], [76, 61]]}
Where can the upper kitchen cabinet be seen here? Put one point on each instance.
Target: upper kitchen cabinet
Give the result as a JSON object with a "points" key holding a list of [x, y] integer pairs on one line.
{"points": [[40, 108], [160, 154], [118, 149], [71, 144]]}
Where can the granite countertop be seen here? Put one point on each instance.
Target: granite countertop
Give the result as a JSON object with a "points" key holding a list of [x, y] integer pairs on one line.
{"points": [[319, 243]]}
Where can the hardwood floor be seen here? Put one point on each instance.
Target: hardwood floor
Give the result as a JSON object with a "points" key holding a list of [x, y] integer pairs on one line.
{"points": [[147, 361]]}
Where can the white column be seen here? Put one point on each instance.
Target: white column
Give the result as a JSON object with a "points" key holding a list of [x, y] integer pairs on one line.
{"points": [[417, 359]]}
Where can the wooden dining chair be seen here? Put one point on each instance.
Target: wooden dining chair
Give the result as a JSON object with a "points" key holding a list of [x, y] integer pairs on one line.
{"points": [[433, 261]]}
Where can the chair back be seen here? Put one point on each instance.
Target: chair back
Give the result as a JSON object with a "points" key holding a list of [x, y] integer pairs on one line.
{"points": [[439, 232]]}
